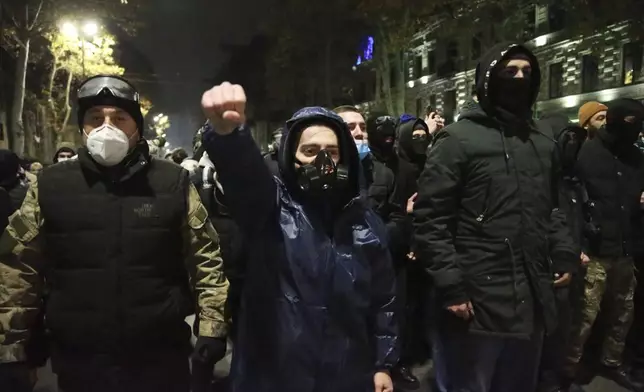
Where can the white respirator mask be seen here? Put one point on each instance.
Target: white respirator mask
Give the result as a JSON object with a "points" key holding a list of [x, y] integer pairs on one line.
{"points": [[108, 145]]}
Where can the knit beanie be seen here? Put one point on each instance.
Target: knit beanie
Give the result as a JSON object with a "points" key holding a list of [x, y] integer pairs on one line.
{"points": [[588, 110]]}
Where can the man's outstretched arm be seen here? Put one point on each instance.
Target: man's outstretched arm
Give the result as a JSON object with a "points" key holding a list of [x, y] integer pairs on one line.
{"points": [[249, 187]]}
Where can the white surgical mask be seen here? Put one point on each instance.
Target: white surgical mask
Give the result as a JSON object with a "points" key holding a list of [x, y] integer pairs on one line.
{"points": [[108, 145]]}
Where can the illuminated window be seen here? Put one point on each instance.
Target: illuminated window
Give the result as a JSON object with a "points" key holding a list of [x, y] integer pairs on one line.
{"points": [[632, 62]]}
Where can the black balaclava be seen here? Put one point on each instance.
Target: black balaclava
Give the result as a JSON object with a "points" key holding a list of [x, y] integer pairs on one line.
{"points": [[413, 149], [502, 96], [624, 121], [381, 130], [569, 141]]}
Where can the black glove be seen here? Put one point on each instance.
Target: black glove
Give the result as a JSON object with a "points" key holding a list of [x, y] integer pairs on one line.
{"points": [[207, 352]]}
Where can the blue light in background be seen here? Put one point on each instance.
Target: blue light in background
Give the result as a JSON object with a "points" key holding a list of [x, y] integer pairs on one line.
{"points": [[367, 51]]}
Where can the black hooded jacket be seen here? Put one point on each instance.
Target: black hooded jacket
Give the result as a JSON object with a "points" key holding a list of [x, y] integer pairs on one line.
{"points": [[486, 219], [614, 178], [406, 151], [392, 181]]}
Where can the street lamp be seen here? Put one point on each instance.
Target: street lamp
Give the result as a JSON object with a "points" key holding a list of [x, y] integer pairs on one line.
{"points": [[89, 30]]}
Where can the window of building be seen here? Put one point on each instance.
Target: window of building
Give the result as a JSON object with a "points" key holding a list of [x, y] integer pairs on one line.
{"points": [[432, 100], [556, 18], [589, 74], [449, 106], [555, 79], [529, 27], [448, 67], [632, 62], [418, 66], [431, 62], [420, 108]]}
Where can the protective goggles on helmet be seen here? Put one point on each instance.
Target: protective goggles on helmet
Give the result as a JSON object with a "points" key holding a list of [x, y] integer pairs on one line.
{"points": [[108, 85]]}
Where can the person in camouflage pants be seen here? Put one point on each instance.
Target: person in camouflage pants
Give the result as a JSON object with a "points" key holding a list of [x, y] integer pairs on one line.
{"points": [[611, 168], [613, 279], [117, 249]]}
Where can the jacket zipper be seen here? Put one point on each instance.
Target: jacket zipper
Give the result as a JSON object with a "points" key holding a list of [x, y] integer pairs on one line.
{"points": [[551, 267], [481, 218], [515, 289]]}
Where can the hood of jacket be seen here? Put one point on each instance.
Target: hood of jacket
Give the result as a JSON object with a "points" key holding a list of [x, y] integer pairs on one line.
{"points": [[380, 127], [405, 134], [489, 66], [302, 119], [64, 147]]}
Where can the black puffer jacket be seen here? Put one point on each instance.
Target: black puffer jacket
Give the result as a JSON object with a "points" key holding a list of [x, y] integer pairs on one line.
{"points": [[486, 213], [614, 179]]}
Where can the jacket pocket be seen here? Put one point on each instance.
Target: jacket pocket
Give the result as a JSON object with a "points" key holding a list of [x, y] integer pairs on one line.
{"points": [[484, 210]]}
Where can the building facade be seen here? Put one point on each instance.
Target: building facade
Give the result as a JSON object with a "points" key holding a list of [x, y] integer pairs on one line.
{"points": [[574, 70]]}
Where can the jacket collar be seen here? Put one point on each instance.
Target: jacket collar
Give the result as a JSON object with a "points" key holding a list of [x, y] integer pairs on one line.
{"points": [[137, 160]]}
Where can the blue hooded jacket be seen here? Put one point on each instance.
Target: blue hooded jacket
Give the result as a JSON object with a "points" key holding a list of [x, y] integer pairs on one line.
{"points": [[317, 308]]}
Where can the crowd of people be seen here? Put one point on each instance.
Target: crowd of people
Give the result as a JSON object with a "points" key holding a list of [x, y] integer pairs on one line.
{"points": [[503, 248]]}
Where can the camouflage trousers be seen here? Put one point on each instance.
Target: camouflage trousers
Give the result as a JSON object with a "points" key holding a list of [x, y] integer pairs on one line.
{"points": [[612, 281]]}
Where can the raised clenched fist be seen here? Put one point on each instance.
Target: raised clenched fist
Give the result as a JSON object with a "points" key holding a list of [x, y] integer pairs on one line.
{"points": [[225, 107]]}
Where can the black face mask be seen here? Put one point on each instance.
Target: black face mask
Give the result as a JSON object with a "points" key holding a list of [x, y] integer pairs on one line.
{"points": [[419, 144], [383, 136], [322, 175], [623, 134], [513, 95]]}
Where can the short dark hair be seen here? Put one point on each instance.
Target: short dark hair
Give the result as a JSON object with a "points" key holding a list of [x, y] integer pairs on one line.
{"points": [[179, 156], [346, 109], [429, 109]]}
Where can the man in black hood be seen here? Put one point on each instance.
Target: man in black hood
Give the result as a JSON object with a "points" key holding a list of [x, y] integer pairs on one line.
{"points": [[612, 170], [413, 139], [64, 152], [317, 309], [392, 182], [485, 219]]}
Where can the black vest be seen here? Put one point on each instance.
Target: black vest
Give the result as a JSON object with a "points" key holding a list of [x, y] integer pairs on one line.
{"points": [[116, 275]]}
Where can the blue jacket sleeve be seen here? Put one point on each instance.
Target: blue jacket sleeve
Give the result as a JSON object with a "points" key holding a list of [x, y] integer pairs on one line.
{"points": [[249, 187], [383, 302]]}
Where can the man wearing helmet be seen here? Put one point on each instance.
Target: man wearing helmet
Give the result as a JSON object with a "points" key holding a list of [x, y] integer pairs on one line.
{"points": [[124, 246]]}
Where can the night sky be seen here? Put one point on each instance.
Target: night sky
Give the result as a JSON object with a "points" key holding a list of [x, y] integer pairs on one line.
{"points": [[182, 39]]}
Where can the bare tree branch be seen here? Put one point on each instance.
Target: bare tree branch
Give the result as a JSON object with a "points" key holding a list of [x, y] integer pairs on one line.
{"points": [[33, 23]]}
